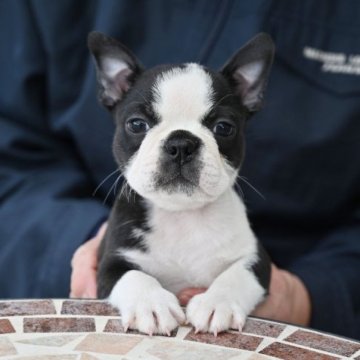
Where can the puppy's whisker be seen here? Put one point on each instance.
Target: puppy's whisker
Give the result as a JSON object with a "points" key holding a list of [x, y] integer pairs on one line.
{"points": [[251, 186], [240, 190], [98, 187], [120, 225], [123, 188], [126, 191], [116, 183], [109, 192]]}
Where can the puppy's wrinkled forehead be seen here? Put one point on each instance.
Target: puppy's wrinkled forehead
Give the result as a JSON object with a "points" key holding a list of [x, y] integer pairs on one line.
{"points": [[183, 94]]}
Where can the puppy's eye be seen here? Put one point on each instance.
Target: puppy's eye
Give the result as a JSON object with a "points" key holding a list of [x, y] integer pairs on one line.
{"points": [[137, 125], [223, 128]]}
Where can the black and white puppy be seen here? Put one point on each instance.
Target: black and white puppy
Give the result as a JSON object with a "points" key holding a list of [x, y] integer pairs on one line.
{"points": [[179, 143]]}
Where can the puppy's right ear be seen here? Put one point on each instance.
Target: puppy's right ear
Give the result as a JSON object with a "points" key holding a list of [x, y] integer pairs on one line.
{"points": [[116, 68]]}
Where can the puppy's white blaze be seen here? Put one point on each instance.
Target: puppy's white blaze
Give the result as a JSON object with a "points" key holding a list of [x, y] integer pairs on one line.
{"points": [[183, 94]]}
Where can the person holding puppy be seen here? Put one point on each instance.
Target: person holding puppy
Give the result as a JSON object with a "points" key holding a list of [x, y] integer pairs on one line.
{"points": [[55, 143]]}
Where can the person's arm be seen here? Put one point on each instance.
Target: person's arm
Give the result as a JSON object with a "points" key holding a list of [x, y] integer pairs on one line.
{"points": [[331, 273], [84, 266], [46, 205]]}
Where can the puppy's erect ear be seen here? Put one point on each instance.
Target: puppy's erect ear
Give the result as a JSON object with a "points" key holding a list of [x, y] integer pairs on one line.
{"points": [[116, 67], [249, 68]]}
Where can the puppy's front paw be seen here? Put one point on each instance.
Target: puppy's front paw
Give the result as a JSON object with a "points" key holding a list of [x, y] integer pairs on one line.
{"points": [[156, 313], [211, 312], [146, 306]]}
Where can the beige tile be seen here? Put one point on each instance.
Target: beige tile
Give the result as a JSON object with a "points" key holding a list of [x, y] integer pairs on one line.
{"points": [[57, 341], [6, 347], [108, 344], [49, 357], [85, 356], [260, 357], [184, 350]]}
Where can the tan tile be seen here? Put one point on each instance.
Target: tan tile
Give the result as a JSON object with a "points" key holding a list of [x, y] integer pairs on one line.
{"points": [[289, 352], [33, 307], [260, 357], [263, 328], [6, 347], [233, 340], [6, 326], [324, 342], [58, 324], [48, 357], [184, 350], [85, 356], [57, 341], [87, 307], [108, 344]]}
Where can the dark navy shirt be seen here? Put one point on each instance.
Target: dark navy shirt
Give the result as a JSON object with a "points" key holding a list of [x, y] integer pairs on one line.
{"points": [[303, 148]]}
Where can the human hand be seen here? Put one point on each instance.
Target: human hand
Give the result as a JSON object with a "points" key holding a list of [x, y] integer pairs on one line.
{"points": [[84, 267], [288, 299]]}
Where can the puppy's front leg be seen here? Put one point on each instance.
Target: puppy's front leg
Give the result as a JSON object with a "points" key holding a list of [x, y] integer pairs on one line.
{"points": [[145, 305], [227, 302]]}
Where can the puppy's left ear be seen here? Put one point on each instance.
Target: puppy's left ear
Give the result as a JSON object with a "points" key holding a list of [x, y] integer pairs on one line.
{"points": [[116, 67], [248, 70]]}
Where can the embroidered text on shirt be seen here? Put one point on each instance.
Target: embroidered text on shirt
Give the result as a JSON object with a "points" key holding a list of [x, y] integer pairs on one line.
{"points": [[334, 62]]}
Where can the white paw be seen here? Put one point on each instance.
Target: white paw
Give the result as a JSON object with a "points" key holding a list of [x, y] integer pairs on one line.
{"points": [[145, 306], [211, 312]]}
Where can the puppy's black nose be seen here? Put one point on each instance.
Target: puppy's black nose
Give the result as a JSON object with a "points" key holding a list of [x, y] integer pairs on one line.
{"points": [[181, 146]]}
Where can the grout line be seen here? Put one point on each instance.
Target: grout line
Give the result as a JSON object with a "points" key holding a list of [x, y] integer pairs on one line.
{"points": [[289, 329], [58, 306], [100, 324], [17, 323], [182, 332], [356, 354], [264, 343]]}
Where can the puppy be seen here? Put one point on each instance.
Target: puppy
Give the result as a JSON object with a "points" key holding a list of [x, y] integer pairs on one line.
{"points": [[179, 143]]}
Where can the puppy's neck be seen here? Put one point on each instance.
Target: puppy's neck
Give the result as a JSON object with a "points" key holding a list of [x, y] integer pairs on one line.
{"points": [[225, 202]]}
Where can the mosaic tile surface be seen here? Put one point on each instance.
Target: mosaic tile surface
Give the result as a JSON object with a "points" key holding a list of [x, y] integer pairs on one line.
{"points": [[92, 330]]}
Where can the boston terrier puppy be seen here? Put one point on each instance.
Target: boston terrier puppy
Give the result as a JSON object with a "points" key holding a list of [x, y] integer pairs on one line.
{"points": [[179, 143]]}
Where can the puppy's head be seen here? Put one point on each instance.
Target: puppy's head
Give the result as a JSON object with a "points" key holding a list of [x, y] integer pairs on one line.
{"points": [[179, 128]]}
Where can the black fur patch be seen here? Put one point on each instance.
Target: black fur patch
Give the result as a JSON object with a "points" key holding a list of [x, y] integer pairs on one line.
{"points": [[227, 106], [128, 214], [262, 267], [137, 102]]}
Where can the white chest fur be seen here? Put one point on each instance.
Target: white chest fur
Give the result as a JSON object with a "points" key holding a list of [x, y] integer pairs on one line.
{"points": [[191, 248]]}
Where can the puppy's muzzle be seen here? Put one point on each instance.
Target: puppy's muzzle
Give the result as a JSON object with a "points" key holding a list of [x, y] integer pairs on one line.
{"points": [[181, 147]]}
